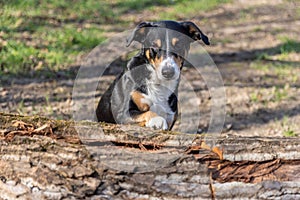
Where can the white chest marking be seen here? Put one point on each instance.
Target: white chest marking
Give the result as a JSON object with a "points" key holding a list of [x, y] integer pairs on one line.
{"points": [[158, 97]]}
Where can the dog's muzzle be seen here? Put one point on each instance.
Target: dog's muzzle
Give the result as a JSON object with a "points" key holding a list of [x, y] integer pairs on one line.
{"points": [[168, 72], [169, 69]]}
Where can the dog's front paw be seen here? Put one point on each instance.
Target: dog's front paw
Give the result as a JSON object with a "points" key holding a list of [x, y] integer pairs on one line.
{"points": [[157, 123]]}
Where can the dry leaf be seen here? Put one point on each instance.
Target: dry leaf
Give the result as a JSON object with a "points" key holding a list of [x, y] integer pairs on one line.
{"points": [[218, 151], [205, 146]]}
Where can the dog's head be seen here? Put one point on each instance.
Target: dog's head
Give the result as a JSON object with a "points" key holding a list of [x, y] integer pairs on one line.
{"points": [[166, 44]]}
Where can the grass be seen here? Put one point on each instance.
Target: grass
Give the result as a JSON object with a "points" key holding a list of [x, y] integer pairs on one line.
{"points": [[188, 9], [274, 94], [43, 37], [258, 29], [60, 49], [289, 133], [298, 11], [279, 93], [279, 60], [21, 107], [282, 51], [255, 96], [289, 46], [287, 130], [288, 71], [34, 41], [222, 41]]}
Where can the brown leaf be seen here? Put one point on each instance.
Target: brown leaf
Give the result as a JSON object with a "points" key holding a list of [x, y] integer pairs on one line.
{"points": [[218, 151], [205, 146], [22, 125]]}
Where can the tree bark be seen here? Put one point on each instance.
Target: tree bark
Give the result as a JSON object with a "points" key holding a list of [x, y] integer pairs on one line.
{"points": [[50, 159]]}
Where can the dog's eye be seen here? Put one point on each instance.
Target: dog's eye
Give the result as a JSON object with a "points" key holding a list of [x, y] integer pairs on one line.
{"points": [[177, 46], [153, 52], [154, 45]]}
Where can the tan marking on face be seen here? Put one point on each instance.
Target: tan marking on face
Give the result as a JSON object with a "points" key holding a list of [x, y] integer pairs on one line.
{"points": [[174, 41], [192, 29], [154, 61], [158, 43], [137, 99], [178, 61], [145, 117], [157, 61], [148, 54]]}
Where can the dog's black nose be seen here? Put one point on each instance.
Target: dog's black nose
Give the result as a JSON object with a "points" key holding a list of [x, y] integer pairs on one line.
{"points": [[168, 72]]}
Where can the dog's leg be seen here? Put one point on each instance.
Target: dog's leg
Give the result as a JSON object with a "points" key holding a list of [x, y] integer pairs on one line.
{"points": [[151, 119], [139, 99], [145, 117]]}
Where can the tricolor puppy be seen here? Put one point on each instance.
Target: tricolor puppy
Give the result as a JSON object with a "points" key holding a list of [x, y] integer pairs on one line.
{"points": [[146, 92]]}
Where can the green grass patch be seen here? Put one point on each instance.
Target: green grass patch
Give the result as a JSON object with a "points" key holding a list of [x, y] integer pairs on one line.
{"points": [[258, 29], [41, 36], [75, 10], [222, 41], [279, 93], [33, 45], [187, 9], [274, 94], [298, 11], [289, 133], [137, 5], [287, 130], [255, 96], [275, 66], [282, 52], [289, 46], [284, 71], [58, 49], [15, 53]]}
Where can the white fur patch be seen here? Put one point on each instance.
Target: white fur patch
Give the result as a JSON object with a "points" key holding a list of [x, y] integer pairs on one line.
{"points": [[157, 97], [157, 123], [146, 100], [169, 62]]}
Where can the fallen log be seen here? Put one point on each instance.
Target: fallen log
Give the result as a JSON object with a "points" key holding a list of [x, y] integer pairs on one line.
{"points": [[51, 159]]}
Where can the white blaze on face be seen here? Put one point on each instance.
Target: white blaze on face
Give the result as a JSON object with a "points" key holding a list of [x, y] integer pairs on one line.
{"points": [[169, 62], [167, 42]]}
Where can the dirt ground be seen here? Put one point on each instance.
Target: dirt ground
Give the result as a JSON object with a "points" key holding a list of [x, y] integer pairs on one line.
{"points": [[262, 83]]}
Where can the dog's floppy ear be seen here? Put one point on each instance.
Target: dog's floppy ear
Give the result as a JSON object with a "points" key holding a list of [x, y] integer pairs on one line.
{"points": [[139, 33], [195, 32]]}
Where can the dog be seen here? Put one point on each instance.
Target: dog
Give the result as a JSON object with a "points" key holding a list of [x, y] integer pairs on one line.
{"points": [[145, 93]]}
